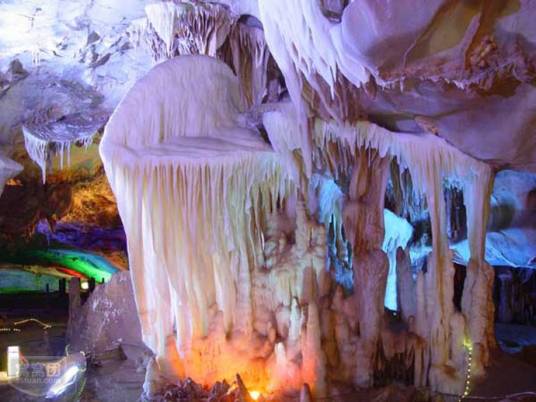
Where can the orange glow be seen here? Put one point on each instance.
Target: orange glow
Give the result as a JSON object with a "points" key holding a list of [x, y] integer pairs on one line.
{"points": [[254, 395], [14, 182]]}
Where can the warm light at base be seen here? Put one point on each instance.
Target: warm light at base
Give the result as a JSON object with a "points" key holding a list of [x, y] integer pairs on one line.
{"points": [[13, 361], [84, 285], [255, 395]]}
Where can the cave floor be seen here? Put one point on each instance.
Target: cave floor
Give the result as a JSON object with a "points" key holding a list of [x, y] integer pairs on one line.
{"points": [[507, 375], [118, 380], [114, 380]]}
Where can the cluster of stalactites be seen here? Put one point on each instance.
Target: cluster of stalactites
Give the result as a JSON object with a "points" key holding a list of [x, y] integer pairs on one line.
{"points": [[402, 199], [43, 151], [250, 57], [215, 196], [191, 28], [193, 188], [426, 156], [299, 43], [184, 28], [431, 162], [326, 80]]}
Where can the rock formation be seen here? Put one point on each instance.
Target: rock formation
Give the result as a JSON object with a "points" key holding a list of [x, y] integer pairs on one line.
{"points": [[314, 193]]}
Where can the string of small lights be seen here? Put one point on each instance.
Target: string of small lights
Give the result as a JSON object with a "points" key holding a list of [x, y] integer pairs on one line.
{"points": [[9, 330], [469, 347]]}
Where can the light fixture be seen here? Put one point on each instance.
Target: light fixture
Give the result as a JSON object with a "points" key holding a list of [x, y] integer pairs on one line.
{"points": [[13, 361], [84, 285], [255, 395]]}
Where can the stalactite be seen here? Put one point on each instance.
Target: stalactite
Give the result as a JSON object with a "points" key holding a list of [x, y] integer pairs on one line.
{"points": [[250, 57], [438, 287], [456, 219], [248, 292], [284, 131]]}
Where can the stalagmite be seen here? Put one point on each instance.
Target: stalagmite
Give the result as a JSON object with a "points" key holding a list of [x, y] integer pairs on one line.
{"points": [[314, 370], [363, 221], [477, 302], [305, 394], [74, 304]]}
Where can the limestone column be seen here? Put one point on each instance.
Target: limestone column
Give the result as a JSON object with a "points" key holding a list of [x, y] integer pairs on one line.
{"points": [[477, 299], [363, 222]]}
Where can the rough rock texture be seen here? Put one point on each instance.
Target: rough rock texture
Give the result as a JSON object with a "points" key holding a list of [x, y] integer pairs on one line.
{"points": [[8, 169], [107, 319], [511, 235], [515, 296], [414, 71]]}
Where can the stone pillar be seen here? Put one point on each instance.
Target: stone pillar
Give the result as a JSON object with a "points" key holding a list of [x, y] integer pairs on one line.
{"points": [[436, 320], [477, 298], [363, 222], [406, 286]]}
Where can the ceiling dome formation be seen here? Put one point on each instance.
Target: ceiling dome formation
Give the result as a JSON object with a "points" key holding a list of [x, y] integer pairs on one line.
{"points": [[312, 198]]}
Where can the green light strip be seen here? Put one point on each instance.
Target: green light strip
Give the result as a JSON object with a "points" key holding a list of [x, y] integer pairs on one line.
{"points": [[90, 265]]}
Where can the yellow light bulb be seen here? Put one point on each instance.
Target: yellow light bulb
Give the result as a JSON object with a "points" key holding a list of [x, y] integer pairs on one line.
{"points": [[255, 395]]}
